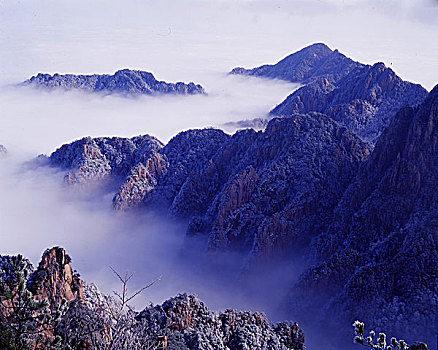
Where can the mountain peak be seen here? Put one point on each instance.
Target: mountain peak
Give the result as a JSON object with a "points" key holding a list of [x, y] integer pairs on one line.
{"points": [[124, 81], [361, 97], [54, 278], [311, 62], [317, 47]]}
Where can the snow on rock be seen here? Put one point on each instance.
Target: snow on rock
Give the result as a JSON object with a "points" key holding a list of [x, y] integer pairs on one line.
{"points": [[124, 81], [364, 98], [189, 324]]}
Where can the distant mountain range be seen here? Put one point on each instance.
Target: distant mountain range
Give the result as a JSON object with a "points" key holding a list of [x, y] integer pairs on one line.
{"points": [[361, 213], [361, 97], [124, 81]]}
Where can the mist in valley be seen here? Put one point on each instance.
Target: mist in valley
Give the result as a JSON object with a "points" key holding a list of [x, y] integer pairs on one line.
{"points": [[196, 41]]}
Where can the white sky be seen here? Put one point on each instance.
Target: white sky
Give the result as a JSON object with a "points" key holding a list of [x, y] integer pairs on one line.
{"points": [[184, 39]]}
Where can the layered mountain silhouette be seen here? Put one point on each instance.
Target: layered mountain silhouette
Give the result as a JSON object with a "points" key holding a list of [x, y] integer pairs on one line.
{"points": [[361, 209], [379, 258], [262, 194], [359, 96], [124, 81]]}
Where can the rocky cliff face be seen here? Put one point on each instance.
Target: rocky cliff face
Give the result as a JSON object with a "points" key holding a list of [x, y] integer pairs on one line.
{"points": [[189, 324], [93, 160], [142, 168], [364, 100], [54, 279], [262, 194], [362, 97], [378, 259], [268, 193], [314, 61], [124, 81]]}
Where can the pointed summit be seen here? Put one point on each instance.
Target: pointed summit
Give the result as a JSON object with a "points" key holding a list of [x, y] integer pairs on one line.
{"points": [[314, 61]]}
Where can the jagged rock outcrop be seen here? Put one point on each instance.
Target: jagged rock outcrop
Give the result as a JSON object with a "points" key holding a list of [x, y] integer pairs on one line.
{"points": [[362, 97], [378, 260], [124, 81], [95, 159], [3, 152], [54, 278], [187, 153], [138, 164], [140, 182], [189, 324], [364, 100], [262, 194], [267, 193]]}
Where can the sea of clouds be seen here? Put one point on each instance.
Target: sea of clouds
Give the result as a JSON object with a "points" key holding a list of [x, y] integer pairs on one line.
{"points": [[191, 40]]}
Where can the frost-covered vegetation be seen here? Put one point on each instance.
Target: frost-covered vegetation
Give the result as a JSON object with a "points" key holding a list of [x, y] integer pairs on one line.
{"points": [[49, 308], [380, 342]]}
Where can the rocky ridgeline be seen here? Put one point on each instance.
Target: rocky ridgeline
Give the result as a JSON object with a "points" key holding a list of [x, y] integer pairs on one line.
{"points": [[92, 160], [124, 81], [307, 185], [263, 194], [379, 258], [314, 61], [362, 97], [189, 324], [185, 320], [53, 280]]}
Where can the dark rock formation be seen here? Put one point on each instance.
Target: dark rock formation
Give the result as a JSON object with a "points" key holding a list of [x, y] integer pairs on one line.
{"points": [[187, 154], [362, 97], [314, 61], [93, 160], [3, 152], [124, 81], [378, 260], [189, 324], [54, 279], [364, 100], [259, 193], [267, 193]]}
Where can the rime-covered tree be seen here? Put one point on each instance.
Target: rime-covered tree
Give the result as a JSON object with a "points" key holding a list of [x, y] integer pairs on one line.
{"points": [[379, 343], [109, 323], [25, 323]]}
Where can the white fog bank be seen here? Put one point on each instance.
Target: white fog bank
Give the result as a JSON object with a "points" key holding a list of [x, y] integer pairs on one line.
{"points": [[39, 121]]}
